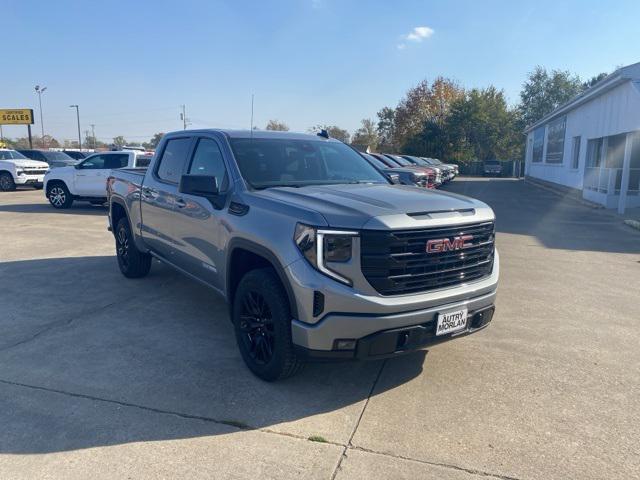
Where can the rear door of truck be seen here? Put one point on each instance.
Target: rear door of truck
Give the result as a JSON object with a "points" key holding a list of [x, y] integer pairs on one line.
{"points": [[159, 196]]}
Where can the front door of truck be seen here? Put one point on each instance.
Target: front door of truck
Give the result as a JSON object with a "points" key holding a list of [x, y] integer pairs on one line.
{"points": [[159, 198], [197, 221]]}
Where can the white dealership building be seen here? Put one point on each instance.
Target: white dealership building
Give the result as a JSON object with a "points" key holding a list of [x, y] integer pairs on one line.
{"points": [[591, 144]]}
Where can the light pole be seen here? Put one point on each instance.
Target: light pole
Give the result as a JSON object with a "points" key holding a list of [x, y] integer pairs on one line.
{"points": [[93, 134], [40, 91], [78, 117]]}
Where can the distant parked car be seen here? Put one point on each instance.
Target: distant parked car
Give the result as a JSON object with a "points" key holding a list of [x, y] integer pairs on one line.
{"points": [[54, 159], [492, 167], [405, 176], [76, 155], [437, 162], [87, 179], [16, 169]]}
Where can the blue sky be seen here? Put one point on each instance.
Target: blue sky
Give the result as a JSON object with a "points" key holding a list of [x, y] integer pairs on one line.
{"points": [[129, 65]]}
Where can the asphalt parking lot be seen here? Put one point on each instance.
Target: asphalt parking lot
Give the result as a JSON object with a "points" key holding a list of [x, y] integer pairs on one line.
{"points": [[104, 377]]}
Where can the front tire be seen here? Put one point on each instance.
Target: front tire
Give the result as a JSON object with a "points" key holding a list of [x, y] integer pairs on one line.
{"points": [[132, 262], [262, 323], [6, 182], [59, 196]]}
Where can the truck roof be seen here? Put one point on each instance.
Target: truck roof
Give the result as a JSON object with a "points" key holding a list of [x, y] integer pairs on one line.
{"points": [[257, 134]]}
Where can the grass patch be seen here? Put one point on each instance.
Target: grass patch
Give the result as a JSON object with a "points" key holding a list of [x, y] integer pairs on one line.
{"points": [[317, 438]]}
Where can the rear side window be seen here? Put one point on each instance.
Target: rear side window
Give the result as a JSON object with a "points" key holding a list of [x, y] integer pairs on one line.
{"points": [[143, 160], [116, 160], [173, 159], [207, 160]]}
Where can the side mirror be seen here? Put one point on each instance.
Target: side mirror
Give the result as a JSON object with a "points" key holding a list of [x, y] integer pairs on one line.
{"points": [[395, 178], [199, 185]]}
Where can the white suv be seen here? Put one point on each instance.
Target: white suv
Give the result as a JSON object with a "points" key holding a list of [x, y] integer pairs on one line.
{"points": [[87, 180], [16, 169]]}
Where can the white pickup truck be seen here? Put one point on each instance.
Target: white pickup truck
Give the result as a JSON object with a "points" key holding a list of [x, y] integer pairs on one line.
{"points": [[87, 180], [16, 169]]}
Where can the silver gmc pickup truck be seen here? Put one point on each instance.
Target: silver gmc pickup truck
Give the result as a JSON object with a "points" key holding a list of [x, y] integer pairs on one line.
{"points": [[317, 253]]}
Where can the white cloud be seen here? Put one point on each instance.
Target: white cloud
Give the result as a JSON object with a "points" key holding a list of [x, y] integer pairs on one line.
{"points": [[417, 35]]}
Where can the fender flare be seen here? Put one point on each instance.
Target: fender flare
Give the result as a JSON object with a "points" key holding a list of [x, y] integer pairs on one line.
{"points": [[253, 247]]}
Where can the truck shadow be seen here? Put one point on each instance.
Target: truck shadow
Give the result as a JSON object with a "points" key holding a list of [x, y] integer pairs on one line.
{"points": [[556, 222], [82, 208], [99, 360]]}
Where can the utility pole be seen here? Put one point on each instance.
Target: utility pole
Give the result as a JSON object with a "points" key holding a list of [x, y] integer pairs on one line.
{"points": [[252, 95], [78, 117], [93, 134], [183, 115], [40, 91]]}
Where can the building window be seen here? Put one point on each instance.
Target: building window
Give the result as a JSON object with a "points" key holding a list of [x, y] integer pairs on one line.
{"points": [[575, 152], [594, 152], [555, 140], [538, 145]]}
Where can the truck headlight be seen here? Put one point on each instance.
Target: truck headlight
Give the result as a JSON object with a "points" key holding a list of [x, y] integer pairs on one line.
{"points": [[19, 171], [320, 246]]}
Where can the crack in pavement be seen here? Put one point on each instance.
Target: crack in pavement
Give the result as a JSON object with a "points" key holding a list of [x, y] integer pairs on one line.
{"points": [[355, 428], [243, 427]]}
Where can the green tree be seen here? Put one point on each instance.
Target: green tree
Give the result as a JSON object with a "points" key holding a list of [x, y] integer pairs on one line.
{"points": [[277, 125], [386, 129], [482, 126], [119, 141], [366, 135], [423, 103], [153, 143], [334, 132], [593, 80], [544, 92]]}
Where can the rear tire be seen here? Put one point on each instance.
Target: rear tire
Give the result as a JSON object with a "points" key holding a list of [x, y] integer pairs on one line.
{"points": [[6, 182], [59, 196], [132, 262], [262, 322]]}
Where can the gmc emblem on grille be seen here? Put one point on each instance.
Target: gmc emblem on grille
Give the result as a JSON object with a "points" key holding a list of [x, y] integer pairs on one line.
{"points": [[447, 244]]}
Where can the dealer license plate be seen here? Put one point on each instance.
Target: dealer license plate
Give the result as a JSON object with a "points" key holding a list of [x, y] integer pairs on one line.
{"points": [[450, 322]]}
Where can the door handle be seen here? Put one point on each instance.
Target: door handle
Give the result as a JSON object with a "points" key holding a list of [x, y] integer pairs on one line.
{"points": [[180, 203], [148, 193]]}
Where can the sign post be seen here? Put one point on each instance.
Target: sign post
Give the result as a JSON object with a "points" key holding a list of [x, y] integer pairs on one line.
{"points": [[18, 116]]}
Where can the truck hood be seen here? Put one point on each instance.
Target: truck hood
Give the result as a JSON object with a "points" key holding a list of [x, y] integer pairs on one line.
{"points": [[381, 206], [24, 162]]}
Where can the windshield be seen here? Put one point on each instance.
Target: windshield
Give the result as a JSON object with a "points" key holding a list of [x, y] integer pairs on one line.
{"points": [[266, 162], [376, 162], [10, 155], [402, 161], [434, 161]]}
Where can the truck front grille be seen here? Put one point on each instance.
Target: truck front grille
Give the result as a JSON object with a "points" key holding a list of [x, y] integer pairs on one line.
{"points": [[397, 262], [35, 171]]}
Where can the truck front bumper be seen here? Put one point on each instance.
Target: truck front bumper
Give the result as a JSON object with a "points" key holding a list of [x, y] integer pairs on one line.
{"points": [[372, 337], [29, 179], [380, 326]]}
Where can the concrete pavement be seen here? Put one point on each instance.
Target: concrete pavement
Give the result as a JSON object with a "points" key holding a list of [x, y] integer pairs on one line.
{"points": [[109, 378]]}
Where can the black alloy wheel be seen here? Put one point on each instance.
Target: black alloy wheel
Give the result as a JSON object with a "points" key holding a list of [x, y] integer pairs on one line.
{"points": [[256, 324]]}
